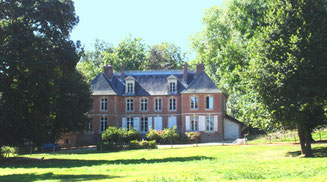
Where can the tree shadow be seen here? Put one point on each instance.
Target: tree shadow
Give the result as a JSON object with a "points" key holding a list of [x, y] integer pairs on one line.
{"points": [[51, 176], [20, 162], [317, 152]]}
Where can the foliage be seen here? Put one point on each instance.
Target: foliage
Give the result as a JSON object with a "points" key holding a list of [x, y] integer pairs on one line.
{"points": [[295, 38], [143, 144], [42, 96], [223, 47], [269, 55], [193, 136], [7, 151], [154, 135], [169, 134], [114, 135], [164, 56], [131, 52]]}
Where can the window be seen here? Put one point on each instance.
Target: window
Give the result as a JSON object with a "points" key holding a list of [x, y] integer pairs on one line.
{"points": [[130, 88], [104, 104], [209, 102], [129, 123], [172, 104], [129, 105], [144, 124], [172, 86], [144, 104], [90, 127], [194, 123], [157, 104], [103, 124], [194, 103], [209, 125]]}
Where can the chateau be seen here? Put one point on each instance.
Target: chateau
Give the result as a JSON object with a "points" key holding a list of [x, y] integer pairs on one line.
{"points": [[158, 99]]}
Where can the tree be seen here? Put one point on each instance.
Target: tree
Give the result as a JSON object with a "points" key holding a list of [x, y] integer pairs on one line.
{"points": [[164, 56], [42, 95], [288, 66], [223, 47]]}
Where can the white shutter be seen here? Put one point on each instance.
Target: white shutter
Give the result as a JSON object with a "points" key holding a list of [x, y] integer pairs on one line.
{"points": [[211, 102], [187, 123], [215, 123], [150, 123], [124, 123], [158, 123], [172, 122], [202, 124], [136, 123]]}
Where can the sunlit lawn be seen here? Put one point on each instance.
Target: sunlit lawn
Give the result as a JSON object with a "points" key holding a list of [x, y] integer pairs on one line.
{"points": [[215, 163]]}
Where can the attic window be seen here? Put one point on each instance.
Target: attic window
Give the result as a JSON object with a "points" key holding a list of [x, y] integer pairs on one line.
{"points": [[130, 88], [172, 87], [130, 85], [172, 84]]}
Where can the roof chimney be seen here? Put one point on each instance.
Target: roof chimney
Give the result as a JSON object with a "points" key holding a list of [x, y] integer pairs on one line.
{"points": [[185, 72], [108, 70], [199, 68], [122, 72]]}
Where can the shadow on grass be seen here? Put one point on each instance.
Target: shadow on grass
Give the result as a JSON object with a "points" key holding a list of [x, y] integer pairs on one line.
{"points": [[317, 152], [51, 176], [69, 163]]}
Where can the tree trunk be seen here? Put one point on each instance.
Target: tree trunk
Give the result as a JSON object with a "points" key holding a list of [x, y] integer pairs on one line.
{"points": [[305, 140]]}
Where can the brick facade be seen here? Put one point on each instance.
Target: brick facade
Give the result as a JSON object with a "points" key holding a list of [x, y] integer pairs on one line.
{"points": [[209, 122]]}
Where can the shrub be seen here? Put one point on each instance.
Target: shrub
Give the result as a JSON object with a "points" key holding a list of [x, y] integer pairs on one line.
{"points": [[193, 136], [114, 135], [169, 135], [154, 135], [132, 135], [7, 151], [134, 144]]}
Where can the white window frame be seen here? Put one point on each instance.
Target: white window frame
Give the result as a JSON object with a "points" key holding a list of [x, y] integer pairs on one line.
{"points": [[144, 104], [207, 105], [172, 84], [130, 123], [103, 124], [144, 125], [158, 105], [129, 85], [195, 99], [104, 103], [173, 104], [129, 104], [209, 123], [194, 123]]}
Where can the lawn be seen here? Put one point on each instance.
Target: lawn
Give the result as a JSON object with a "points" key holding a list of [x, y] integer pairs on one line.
{"points": [[214, 163]]}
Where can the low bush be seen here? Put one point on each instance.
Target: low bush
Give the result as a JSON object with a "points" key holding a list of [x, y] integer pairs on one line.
{"points": [[154, 135], [193, 136], [119, 136], [169, 135], [7, 151], [144, 144]]}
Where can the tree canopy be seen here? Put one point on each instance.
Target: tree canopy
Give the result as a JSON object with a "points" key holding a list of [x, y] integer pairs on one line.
{"points": [[133, 53], [42, 95], [269, 55]]}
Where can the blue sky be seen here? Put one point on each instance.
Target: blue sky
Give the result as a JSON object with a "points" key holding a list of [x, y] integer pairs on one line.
{"points": [[153, 20]]}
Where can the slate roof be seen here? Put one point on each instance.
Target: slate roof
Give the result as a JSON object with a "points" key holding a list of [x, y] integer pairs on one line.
{"points": [[153, 83], [233, 119], [202, 84]]}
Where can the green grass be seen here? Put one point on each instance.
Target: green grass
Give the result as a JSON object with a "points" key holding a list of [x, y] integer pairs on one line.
{"points": [[214, 163], [286, 136]]}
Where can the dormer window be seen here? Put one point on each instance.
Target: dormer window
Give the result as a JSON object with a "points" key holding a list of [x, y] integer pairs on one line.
{"points": [[172, 87], [130, 88], [172, 84], [130, 85]]}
